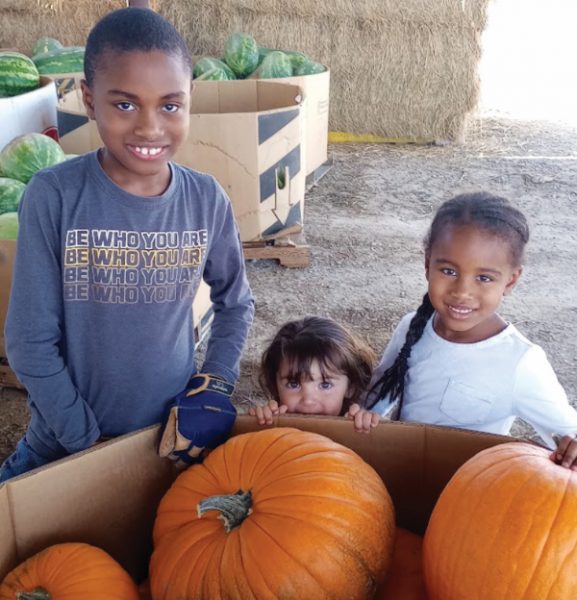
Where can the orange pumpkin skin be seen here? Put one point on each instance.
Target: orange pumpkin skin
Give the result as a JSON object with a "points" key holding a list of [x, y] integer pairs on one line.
{"points": [[404, 580], [71, 571], [321, 526], [504, 528]]}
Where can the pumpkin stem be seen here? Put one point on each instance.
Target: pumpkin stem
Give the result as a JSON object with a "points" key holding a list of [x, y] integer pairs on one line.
{"points": [[38, 593], [233, 508]]}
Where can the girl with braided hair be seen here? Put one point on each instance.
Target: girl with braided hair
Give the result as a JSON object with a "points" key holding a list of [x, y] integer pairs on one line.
{"points": [[316, 366], [455, 361]]}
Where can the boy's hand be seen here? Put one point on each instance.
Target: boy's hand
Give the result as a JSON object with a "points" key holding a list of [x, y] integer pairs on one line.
{"points": [[265, 414], [566, 452], [363, 420], [200, 417]]}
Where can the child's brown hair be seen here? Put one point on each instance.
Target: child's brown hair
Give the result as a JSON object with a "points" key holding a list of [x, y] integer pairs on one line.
{"points": [[333, 346]]}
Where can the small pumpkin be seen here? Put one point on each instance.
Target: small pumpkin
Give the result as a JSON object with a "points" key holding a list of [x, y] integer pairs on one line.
{"points": [[404, 580], [503, 528], [278, 513], [69, 571]]}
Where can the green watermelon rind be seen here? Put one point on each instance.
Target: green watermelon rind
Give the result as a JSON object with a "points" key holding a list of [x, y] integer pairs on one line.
{"points": [[241, 53], [69, 59], [11, 191], [275, 65], [46, 44], [310, 67], [27, 154], [207, 63], [213, 75], [18, 74], [9, 226]]}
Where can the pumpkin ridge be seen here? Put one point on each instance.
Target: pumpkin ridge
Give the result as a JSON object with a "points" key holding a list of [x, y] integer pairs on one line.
{"points": [[548, 541], [290, 558], [463, 546], [350, 552], [520, 493]]}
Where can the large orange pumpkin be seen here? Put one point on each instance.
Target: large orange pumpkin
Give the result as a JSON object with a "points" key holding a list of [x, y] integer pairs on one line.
{"points": [[281, 514], [404, 579], [71, 571], [505, 527]]}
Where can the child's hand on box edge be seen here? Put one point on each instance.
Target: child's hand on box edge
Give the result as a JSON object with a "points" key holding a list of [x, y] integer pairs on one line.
{"points": [[363, 420], [566, 452], [266, 413]]}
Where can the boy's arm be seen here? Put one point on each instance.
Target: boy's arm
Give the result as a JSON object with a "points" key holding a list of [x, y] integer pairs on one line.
{"points": [[231, 297], [34, 324]]}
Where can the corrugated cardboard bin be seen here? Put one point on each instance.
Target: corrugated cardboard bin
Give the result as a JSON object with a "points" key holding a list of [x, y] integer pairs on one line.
{"points": [[107, 496], [248, 134]]}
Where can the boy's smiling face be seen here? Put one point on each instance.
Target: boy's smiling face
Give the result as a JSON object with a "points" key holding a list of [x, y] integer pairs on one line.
{"points": [[140, 101]]}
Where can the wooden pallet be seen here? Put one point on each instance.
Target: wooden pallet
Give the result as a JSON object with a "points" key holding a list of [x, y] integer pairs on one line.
{"points": [[290, 251]]}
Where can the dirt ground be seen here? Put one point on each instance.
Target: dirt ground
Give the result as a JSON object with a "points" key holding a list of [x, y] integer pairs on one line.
{"points": [[365, 220]]}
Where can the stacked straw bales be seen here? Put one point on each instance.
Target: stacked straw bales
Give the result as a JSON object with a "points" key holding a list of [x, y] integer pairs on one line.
{"points": [[401, 70], [398, 69]]}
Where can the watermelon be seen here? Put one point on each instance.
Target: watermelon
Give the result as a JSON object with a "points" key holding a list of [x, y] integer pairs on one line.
{"points": [[310, 68], [9, 226], [18, 74], [276, 64], [241, 54], [11, 191], [208, 64], [213, 75], [45, 44], [29, 153], [69, 59], [297, 58]]}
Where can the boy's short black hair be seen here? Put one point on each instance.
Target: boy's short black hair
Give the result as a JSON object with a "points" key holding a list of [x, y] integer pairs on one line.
{"points": [[129, 29]]}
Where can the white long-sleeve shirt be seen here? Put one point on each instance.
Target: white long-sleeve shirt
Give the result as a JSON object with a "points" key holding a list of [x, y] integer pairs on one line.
{"points": [[481, 386]]}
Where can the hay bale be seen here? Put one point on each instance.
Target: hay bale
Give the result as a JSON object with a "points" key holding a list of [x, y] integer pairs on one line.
{"points": [[22, 22], [398, 69]]}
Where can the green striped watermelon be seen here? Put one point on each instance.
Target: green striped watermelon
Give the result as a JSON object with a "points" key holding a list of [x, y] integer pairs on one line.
{"points": [[309, 67], [69, 59], [208, 64], [9, 226], [45, 44], [18, 74], [213, 75], [11, 191], [241, 53], [275, 64], [29, 153]]}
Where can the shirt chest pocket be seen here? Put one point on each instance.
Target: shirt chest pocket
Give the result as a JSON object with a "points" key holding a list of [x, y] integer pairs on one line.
{"points": [[465, 404]]}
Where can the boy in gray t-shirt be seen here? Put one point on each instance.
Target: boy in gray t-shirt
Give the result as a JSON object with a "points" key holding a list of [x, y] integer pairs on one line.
{"points": [[111, 250]]}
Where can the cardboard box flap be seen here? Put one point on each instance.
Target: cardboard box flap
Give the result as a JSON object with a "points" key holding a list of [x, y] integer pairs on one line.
{"points": [[106, 496], [217, 97]]}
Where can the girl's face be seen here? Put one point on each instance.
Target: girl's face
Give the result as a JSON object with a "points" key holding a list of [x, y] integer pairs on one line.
{"points": [[314, 395], [469, 270], [140, 101]]}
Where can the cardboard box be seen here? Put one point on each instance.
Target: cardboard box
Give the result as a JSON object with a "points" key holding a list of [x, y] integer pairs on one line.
{"points": [[108, 495], [248, 134], [316, 91], [34, 111], [201, 306]]}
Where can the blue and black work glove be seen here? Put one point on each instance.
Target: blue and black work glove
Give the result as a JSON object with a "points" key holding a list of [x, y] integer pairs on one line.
{"points": [[199, 417]]}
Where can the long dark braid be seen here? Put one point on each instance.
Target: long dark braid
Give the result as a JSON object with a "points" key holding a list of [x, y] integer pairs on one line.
{"points": [[392, 381], [490, 213]]}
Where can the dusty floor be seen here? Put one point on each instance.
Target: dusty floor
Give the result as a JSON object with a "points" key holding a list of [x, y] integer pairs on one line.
{"points": [[365, 221]]}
